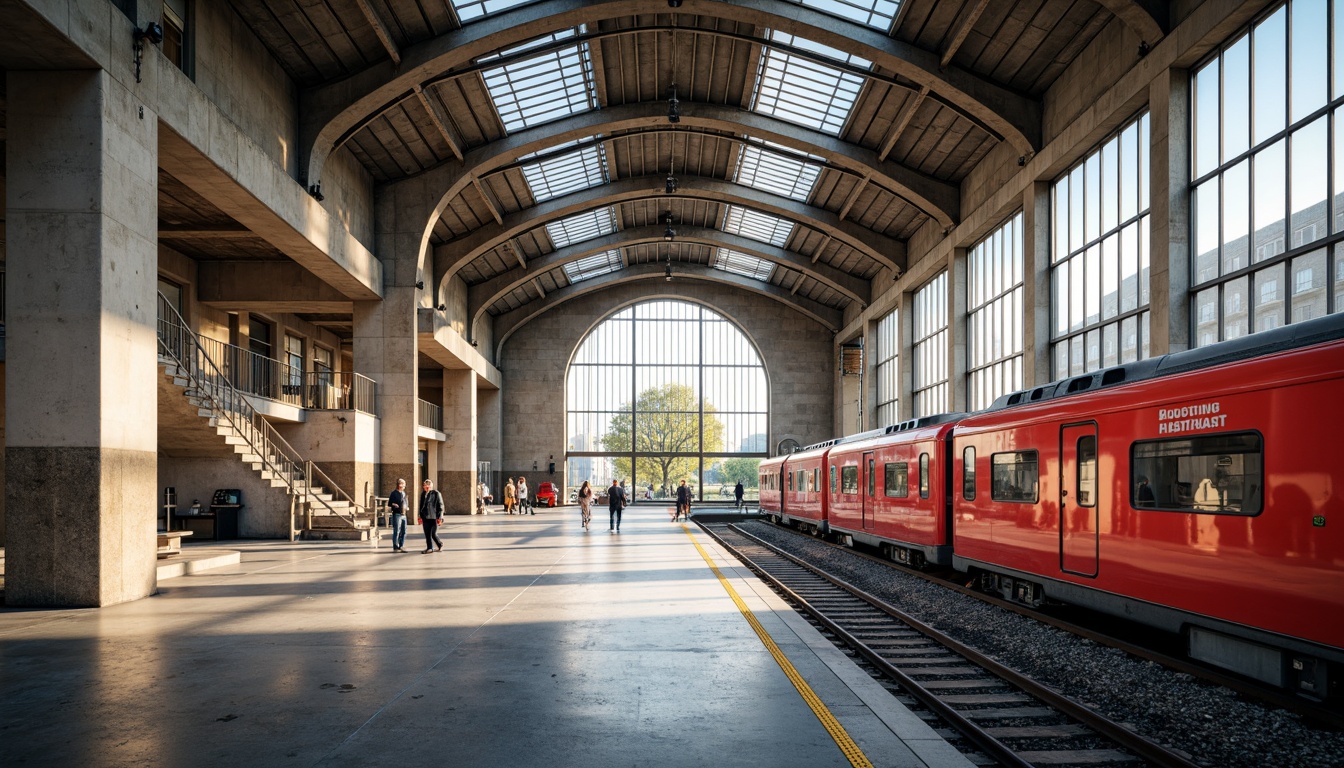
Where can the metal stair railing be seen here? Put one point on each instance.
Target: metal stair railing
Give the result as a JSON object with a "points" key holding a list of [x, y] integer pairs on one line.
{"points": [[181, 344]]}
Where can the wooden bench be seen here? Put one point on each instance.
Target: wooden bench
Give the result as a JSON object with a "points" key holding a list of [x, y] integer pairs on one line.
{"points": [[170, 542]]}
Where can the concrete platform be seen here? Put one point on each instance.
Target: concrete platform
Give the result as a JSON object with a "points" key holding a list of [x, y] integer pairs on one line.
{"points": [[526, 642], [196, 559]]}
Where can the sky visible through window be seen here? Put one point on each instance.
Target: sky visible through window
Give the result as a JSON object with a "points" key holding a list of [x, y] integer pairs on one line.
{"points": [[542, 88], [740, 263], [470, 10], [561, 174], [592, 266], [807, 92], [771, 168], [757, 226], [581, 227], [878, 14]]}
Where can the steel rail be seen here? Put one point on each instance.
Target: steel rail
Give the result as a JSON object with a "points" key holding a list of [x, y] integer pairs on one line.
{"points": [[1134, 742]]}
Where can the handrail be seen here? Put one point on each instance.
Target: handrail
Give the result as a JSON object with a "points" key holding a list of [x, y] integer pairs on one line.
{"points": [[177, 340], [429, 415], [256, 374]]}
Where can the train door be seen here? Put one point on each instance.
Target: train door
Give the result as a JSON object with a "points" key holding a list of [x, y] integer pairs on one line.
{"points": [[870, 498], [1078, 499]]}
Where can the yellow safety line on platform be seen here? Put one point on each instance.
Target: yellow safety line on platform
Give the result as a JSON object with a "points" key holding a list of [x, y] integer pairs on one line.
{"points": [[828, 721]]}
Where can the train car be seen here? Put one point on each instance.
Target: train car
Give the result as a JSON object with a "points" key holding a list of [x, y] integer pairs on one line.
{"points": [[1201, 492], [893, 491], [804, 499], [770, 476]]}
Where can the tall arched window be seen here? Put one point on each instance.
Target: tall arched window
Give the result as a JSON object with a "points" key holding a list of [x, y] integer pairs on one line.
{"points": [[666, 391]]}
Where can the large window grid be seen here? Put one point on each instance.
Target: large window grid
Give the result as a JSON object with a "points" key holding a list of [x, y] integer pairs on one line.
{"points": [[664, 386], [581, 226], [758, 226], [994, 322], [1100, 275], [1267, 141], [470, 10], [729, 260], [592, 266], [768, 169], [873, 13], [888, 372], [804, 91], [542, 88], [557, 175], [930, 348]]}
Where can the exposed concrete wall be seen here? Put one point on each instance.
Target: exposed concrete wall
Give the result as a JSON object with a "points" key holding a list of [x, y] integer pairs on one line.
{"points": [[265, 513], [796, 352], [344, 445]]}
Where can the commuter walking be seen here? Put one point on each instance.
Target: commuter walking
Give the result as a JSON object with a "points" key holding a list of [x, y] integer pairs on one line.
{"points": [[683, 503], [396, 504], [738, 493], [615, 503], [510, 496], [483, 498], [524, 501], [431, 515], [586, 503]]}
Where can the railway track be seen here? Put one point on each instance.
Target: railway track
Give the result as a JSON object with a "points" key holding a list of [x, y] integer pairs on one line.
{"points": [[1009, 718]]}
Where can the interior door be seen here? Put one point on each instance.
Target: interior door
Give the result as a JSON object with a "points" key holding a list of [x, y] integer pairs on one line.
{"points": [[869, 498], [1078, 499]]}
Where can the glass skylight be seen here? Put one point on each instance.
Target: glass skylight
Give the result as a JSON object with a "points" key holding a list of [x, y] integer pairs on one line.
{"points": [[469, 10], [561, 174], [772, 171], [742, 264], [805, 92], [581, 226], [592, 266], [874, 13], [542, 88], [757, 226]]}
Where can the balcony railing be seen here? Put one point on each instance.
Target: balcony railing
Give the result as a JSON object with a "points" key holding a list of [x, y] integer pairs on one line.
{"points": [[255, 374], [430, 415]]}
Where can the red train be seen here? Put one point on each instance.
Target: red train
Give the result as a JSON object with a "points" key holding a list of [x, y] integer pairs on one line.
{"points": [[1201, 492]]}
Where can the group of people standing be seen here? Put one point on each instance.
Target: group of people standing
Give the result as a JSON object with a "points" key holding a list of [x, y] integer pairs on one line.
{"points": [[517, 497], [616, 501], [430, 512]]}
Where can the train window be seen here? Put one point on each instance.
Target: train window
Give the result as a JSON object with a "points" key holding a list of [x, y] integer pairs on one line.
{"points": [[791, 474], [1087, 471], [1014, 476], [849, 479], [816, 479], [968, 473], [898, 480], [923, 475], [832, 479], [1216, 474], [872, 479]]}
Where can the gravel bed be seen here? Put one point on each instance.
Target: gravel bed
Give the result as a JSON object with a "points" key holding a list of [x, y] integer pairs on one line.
{"points": [[1210, 723]]}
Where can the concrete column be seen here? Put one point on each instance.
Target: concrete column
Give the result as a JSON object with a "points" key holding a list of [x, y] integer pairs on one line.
{"points": [[1036, 368], [81, 396], [385, 351], [457, 455], [1169, 193], [489, 434], [957, 399]]}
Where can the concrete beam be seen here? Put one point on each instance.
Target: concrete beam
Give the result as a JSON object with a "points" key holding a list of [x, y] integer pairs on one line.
{"points": [[939, 199], [482, 296], [452, 256], [334, 112], [1150, 19], [438, 341], [510, 322], [275, 286]]}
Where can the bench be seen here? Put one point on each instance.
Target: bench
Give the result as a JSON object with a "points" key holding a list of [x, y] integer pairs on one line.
{"points": [[170, 542]]}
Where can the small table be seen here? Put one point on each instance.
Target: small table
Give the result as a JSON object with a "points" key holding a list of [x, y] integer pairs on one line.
{"points": [[170, 542]]}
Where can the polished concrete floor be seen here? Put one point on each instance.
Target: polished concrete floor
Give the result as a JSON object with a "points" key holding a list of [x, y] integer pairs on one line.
{"points": [[526, 642]]}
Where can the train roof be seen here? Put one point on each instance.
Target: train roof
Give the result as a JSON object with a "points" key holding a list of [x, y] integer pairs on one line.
{"points": [[1294, 336], [890, 429]]}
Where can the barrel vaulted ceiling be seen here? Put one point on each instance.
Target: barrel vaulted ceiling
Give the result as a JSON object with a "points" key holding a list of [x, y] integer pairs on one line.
{"points": [[794, 168]]}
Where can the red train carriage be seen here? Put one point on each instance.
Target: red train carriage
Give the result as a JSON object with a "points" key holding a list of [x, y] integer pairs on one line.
{"points": [[893, 492], [770, 476], [1201, 492], [804, 500]]}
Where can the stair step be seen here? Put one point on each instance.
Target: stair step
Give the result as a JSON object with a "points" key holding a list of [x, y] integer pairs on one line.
{"points": [[348, 534]]}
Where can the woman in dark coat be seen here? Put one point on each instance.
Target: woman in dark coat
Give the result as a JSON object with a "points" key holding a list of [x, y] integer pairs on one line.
{"points": [[431, 514]]}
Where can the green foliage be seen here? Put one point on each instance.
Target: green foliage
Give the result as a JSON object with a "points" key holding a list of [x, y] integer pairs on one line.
{"points": [[741, 470], [665, 423]]}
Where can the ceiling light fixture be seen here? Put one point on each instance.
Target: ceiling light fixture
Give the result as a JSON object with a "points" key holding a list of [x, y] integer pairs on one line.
{"points": [[154, 34], [669, 234], [673, 105], [667, 275]]}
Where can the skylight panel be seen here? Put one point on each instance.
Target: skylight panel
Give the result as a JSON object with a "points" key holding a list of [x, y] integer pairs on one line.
{"points": [[757, 226], [581, 226], [874, 13], [806, 92], [544, 87], [742, 264], [470, 10], [562, 174], [771, 171], [592, 266]]}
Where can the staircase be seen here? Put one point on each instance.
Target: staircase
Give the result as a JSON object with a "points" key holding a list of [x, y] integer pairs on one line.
{"points": [[318, 508]]}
